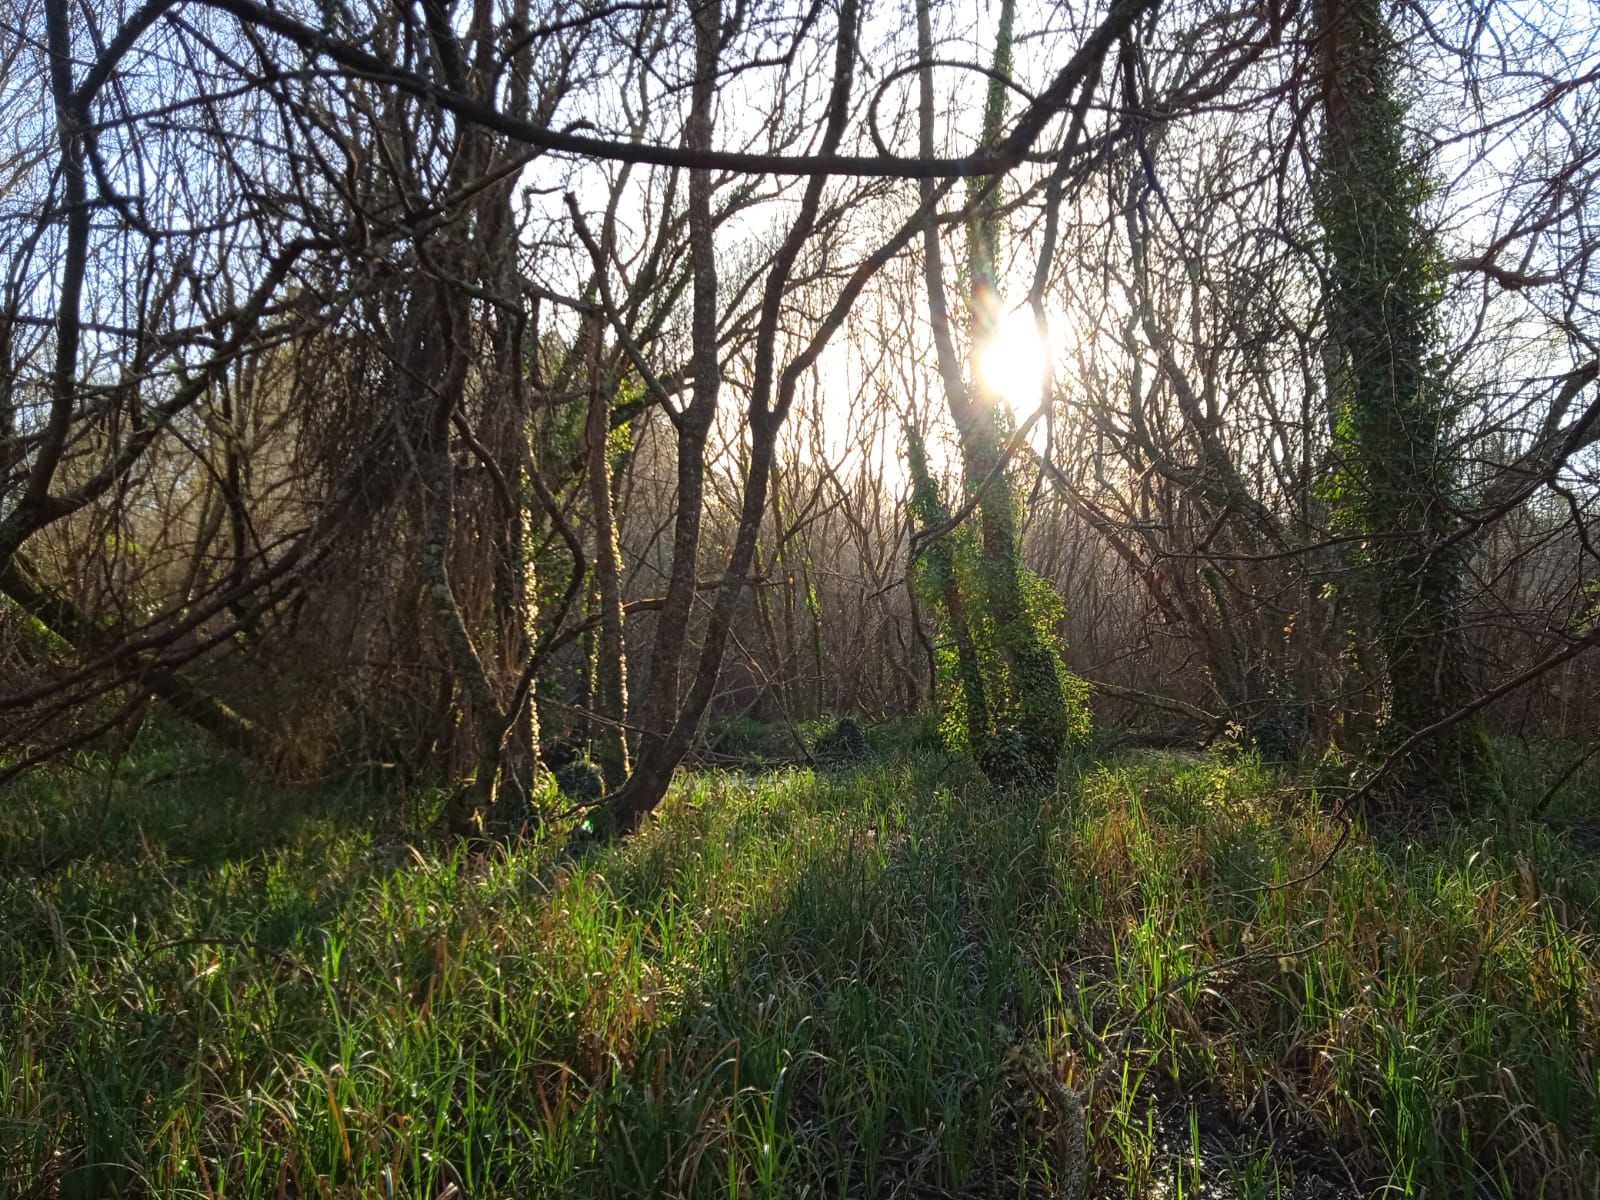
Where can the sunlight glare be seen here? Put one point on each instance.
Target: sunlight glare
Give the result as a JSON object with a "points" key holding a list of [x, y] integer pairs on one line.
{"points": [[1013, 362]]}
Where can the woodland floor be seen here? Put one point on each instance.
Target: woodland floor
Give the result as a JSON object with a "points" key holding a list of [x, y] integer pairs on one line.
{"points": [[796, 983]]}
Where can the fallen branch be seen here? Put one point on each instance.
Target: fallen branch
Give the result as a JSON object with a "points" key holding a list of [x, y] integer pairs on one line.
{"points": [[1151, 700]]}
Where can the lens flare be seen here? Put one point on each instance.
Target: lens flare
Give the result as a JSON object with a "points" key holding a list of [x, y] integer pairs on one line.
{"points": [[1012, 362]]}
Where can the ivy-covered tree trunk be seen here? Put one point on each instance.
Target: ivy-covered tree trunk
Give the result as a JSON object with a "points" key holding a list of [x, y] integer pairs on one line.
{"points": [[1396, 482], [937, 574], [1027, 721]]}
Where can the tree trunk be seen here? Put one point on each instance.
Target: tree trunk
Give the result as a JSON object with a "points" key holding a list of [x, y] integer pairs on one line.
{"points": [[610, 668], [1037, 712], [1393, 413]]}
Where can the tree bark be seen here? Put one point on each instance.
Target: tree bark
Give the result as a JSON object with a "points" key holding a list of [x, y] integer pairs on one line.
{"points": [[610, 693], [1396, 480]]}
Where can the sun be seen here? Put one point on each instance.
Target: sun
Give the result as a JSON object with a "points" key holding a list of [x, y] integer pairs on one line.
{"points": [[1014, 360]]}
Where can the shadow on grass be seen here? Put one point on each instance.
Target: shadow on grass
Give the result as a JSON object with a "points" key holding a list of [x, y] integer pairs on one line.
{"points": [[853, 1029], [848, 1033], [170, 925], [792, 984], [788, 986], [182, 809]]}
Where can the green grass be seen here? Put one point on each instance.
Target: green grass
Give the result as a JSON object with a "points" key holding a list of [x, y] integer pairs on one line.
{"points": [[793, 984]]}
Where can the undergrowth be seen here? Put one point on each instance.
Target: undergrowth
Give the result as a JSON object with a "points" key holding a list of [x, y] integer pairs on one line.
{"points": [[794, 983]]}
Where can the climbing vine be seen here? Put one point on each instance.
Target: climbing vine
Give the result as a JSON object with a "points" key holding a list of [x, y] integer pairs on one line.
{"points": [[1394, 482], [1004, 694]]}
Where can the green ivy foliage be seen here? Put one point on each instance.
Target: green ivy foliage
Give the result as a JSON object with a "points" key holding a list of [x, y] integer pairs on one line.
{"points": [[1395, 483], [1005, 696]]}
